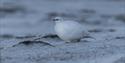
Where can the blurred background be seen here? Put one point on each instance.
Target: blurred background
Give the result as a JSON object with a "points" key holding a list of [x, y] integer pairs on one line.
{"points": [[26, 17], [104, 19]]}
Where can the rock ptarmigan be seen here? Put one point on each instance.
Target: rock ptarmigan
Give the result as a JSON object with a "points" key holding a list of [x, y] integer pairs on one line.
{"points": [[68, 30]]}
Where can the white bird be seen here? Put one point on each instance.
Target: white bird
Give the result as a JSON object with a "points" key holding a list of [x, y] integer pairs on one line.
{"points": [[68, 30]]}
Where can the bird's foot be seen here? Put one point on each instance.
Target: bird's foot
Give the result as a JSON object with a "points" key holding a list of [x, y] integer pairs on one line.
{"points": [[73, 41]]}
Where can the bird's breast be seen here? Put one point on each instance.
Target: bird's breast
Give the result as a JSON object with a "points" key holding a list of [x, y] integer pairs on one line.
{"points": [[62, 29]]}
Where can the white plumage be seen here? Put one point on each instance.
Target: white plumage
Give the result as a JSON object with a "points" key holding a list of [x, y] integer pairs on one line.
{"points": [[68, 30]]}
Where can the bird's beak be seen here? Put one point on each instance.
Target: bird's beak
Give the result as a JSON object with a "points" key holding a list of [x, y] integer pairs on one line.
{"points": [[53, 19]]}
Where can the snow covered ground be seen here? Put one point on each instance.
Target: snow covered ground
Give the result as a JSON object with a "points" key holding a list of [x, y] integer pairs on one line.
{"points": [[23, 20]]}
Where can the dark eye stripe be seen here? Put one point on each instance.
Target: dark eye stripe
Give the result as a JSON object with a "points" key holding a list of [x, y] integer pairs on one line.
{"points": [[55, 19]]}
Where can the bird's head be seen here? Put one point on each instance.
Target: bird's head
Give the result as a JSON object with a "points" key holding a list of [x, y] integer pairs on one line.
{"points": [[57, 19]]}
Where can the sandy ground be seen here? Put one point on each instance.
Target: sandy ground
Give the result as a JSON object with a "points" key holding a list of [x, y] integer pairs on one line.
{"points": [[21, 21]]}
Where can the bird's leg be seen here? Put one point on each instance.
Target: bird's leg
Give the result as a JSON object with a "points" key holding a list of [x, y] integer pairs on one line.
{"points": [[73, 41], [76, 40]]}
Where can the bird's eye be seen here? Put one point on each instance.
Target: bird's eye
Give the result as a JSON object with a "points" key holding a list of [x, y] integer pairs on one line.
{"points": [[56, 19]]}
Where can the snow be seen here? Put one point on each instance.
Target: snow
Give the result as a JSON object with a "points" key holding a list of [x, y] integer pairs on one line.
{"points": [[33, 18]]}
